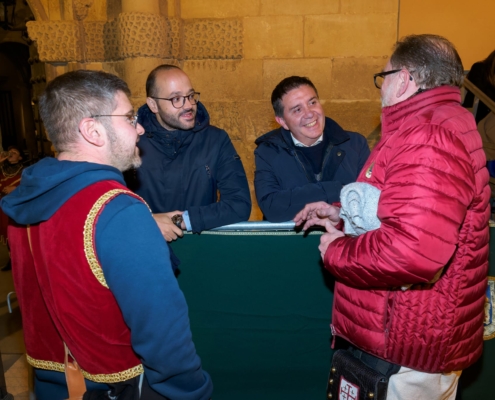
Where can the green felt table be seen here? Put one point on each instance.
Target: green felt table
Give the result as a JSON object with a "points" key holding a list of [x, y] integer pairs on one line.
{"points": [[260, 305]]}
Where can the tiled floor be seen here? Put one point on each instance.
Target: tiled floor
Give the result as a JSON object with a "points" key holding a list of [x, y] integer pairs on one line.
{"points": [[17, 372]]}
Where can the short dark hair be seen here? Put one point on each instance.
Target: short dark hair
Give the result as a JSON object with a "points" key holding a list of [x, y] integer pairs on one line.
{"points": [[150, 81], [431, 59], [284, 87], [73, 96]]}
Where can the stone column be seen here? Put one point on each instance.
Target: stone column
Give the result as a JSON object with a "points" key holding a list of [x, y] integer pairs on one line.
{"points": [[143, 6], [143, 37]]}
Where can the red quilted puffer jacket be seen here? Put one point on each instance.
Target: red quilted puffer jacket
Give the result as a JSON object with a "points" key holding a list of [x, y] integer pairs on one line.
{"points": [[434, 215]]}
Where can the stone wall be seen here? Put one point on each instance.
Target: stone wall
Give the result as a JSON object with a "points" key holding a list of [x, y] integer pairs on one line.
{"points": [[235, 52]]}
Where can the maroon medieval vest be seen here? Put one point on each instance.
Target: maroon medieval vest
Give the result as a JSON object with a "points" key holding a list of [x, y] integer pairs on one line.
{"points": [[63, 295]]}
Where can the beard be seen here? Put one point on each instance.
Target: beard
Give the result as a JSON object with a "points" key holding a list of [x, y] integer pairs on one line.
{"points": [[173, 122], [122, 157]]}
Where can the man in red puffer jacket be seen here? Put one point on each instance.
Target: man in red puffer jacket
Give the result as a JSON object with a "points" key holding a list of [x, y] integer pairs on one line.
{"points": [[412, 292]]}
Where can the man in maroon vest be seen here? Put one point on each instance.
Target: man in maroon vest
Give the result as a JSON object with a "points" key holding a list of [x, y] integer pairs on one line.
{"points": [[92, 271], [412, 292]]}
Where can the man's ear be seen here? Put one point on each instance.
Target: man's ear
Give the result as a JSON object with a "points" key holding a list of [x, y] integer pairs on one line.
{"points": [[152, 105], [92, 132], [281, 121], [404, 84]]}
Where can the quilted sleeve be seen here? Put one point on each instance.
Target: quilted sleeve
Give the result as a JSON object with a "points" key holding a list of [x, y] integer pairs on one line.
{"points": [[429, 184]]}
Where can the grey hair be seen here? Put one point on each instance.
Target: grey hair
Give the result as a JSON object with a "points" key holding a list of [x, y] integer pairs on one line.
{"points": [[431, 59]]}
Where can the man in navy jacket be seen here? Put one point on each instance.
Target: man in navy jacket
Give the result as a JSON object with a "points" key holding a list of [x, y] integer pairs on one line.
{"points": [[187, 162], [309, 158]]}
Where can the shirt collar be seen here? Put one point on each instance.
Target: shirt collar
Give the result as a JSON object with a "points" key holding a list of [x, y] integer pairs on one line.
{"points": [[297, 143]]}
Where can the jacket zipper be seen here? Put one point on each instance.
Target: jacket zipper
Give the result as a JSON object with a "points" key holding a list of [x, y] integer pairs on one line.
{"points": [[302, 165], [388, 320], [329, 150]]}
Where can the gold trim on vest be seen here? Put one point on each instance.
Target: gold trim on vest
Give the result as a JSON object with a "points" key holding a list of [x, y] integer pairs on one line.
{"points": [[89, 249], [99, 378]]}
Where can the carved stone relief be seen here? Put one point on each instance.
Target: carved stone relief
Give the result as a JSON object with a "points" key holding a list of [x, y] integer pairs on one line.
{"points": [[173, 37], [95, 47], [81, 8], [135, 31], [57, 40], [111, 41], [129, 36], [212, 39]]}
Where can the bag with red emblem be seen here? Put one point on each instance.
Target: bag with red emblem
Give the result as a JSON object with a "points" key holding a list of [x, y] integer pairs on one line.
{"points": [[356, 375]]}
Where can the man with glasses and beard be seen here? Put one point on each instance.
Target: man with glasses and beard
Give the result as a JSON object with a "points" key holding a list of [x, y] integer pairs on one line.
{"points": [[410, 295], [191, 175], [91, 269]]}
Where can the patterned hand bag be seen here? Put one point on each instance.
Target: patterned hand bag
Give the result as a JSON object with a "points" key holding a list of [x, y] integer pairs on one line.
{"points": [[352, 378]]}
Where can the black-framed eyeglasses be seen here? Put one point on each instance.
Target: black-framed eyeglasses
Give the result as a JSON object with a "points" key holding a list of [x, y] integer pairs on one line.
{"points": [[131, 119], [179, 101], [380, 77]]}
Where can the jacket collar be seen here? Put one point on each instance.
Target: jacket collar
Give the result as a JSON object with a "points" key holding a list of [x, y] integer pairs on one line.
{"points": [[394, 116], [333, 132]]}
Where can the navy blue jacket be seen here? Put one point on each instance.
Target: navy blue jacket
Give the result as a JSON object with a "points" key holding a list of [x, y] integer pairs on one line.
{"points": [[183, 170], [284, 181], [136, 263]]}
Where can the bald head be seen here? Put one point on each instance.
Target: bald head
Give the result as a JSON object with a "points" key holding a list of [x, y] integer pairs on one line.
{"points": [[172, 98], [151, 80]]}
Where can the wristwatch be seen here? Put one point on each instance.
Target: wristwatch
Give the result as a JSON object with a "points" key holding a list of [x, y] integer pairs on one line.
{"points": [[177, 220]]}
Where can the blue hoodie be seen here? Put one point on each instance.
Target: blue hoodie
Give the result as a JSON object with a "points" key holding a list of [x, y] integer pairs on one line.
{"points": [[136, 263]]}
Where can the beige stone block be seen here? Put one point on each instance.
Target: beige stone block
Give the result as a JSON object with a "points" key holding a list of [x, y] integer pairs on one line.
{"points": [[318, 70], [226, 80], [97, 11], [273, 37], [146, 6], [357, 116], [136, 72], [75, 65], [244, 121], [349, 35], [54, 11], [256, 214], [94, 66], [298, 7], [218, 8], [352, 78], [39, 10], [167, 8], [369, 6], [115, 67]]}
